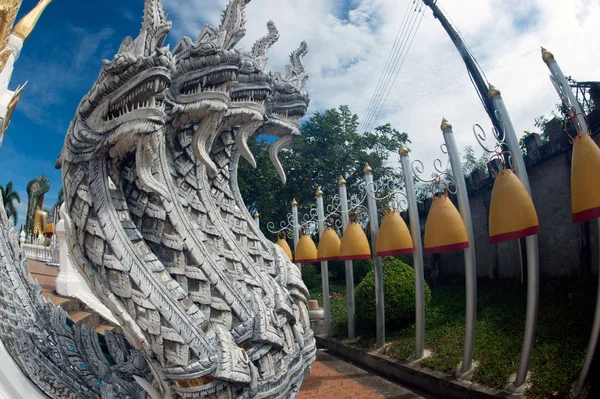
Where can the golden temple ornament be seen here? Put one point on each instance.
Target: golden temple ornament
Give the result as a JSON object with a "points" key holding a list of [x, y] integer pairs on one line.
{"points": [[446, 125], [25, 26]]}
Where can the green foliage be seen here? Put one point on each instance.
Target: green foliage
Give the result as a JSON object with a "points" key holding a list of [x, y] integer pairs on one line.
{"points": [[310, 276], [329, 146], [399, 294], [471, 162], [9, 197], [360, 269]]}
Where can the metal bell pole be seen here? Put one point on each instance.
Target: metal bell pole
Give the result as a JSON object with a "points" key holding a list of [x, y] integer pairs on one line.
{"points": [[563, 87], [533, 270], [324, 264], [470, 260], [567, 96], [374, 224], [415, 229], [348, 263], [257, 219], [296, 228]]}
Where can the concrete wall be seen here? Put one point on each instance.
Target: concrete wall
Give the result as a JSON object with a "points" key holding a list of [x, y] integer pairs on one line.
{"points": [[566, 249]]}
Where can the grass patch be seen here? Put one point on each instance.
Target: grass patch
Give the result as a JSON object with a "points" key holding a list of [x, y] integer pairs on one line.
{"points": [[564, 325]]}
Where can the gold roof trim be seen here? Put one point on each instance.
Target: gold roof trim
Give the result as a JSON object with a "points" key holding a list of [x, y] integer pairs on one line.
{"points": [[4, 58], [11, 108], [8, 14]]}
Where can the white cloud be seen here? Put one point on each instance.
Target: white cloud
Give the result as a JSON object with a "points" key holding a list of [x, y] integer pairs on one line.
{"points": [[348, 50]]}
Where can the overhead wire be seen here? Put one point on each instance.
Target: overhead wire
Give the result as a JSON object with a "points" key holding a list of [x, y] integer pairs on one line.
{"points": [[395, 62], [396, 55], [400, 67], [388, 64]]}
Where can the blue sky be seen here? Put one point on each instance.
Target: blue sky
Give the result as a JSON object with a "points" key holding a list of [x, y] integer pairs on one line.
{"points": [[60, 61], [349, 42]]}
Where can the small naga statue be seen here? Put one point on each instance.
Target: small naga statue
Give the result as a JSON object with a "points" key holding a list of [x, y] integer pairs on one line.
{"points": [[156, 224]]}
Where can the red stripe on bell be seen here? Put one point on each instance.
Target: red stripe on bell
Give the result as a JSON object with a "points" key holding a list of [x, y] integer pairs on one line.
{"points": [[305, 260], [396, 252], [330, 258], [513, 235], [586, 215], [355, 257], [446, 248]]}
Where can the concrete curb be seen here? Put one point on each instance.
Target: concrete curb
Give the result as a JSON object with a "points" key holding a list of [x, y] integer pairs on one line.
{"points": [[435, 383]]}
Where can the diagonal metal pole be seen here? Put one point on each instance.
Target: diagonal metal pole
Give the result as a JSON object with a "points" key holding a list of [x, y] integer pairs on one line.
{"points": [[324, 264], [374, 225], [415, 229], [533, 269], [348, 263], [470, 261]]}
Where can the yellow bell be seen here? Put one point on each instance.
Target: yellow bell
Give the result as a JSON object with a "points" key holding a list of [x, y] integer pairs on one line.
{"points": [[585, 169], [355, 245], [329, 245], [512, 214], [282, 242], [394, 237], [445, 230], [306, 251]]}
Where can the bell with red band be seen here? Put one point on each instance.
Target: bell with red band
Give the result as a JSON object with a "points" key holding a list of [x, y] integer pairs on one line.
{"points": [[394, 237], [512, 213]]}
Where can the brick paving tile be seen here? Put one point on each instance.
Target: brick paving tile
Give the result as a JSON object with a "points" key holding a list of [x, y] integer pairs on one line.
{"points": [[325, 383]]}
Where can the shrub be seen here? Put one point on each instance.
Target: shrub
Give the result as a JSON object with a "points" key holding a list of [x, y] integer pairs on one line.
{"points": [[398, 291], [360, 269], [311, 277]]}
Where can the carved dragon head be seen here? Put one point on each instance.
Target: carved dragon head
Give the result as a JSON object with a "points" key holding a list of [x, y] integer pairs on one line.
{"points": [[205, 71], [127, 99], [286, 106], [249, 96]]}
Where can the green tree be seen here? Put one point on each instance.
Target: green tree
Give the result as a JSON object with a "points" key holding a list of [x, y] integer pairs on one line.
{"points": [[9, 196], [330, 146], [471, 162]]}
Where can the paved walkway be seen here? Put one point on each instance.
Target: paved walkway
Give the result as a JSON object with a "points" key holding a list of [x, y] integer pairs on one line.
{"points": [[332, 378]]}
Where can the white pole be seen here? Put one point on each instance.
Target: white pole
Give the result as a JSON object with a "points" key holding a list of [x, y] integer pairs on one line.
{"points": [[374, 224], [296, 228], [324, 264], [565, 92], [257, 219], [470, 261], [567, 96], [415, 228], [348, 263], [533, 270]]}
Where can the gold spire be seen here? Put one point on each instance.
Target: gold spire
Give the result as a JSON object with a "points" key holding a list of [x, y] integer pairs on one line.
{"points": [[547, 56], [319, 192], [342, 181], [446, 125], [25, 26], [367, 169], [256, 215], [294, 202], [494, 92], [403, 150]]}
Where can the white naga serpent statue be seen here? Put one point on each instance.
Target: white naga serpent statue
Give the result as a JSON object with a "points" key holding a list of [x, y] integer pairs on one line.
{"points": [[209, 307]]}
